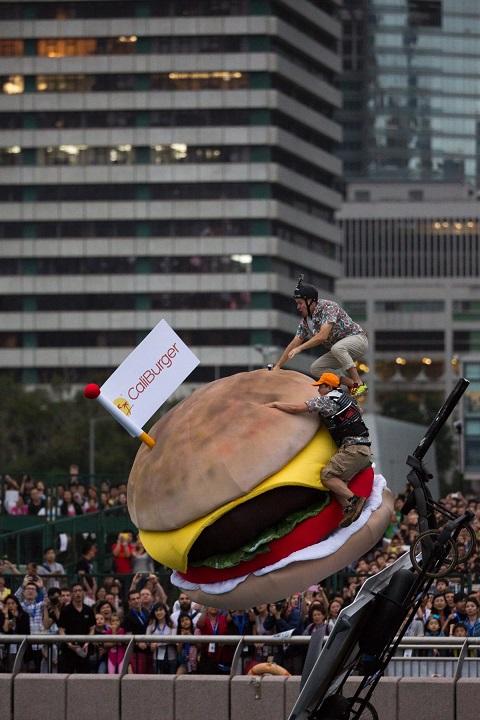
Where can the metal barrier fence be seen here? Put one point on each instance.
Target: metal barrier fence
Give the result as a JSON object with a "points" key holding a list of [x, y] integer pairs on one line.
{"points": [[457, 657], [28, 543]]}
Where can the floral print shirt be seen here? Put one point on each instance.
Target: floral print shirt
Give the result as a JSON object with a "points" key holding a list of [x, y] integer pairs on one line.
{"points": [[323, 405], [328, 311], [326, 407]]}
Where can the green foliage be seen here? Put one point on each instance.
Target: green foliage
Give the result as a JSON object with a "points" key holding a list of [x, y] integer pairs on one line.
{"points": [[43, 433], [421, 408], [402, 406]]}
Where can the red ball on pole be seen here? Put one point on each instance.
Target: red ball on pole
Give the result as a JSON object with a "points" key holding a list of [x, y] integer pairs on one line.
{"points": [[91, 391]]}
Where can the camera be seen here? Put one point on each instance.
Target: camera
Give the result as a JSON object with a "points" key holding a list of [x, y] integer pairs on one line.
{"points": [[279, 605], [53, 595]]}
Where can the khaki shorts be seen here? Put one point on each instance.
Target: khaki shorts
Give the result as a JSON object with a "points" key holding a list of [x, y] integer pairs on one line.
{"points": [[347, 462]]}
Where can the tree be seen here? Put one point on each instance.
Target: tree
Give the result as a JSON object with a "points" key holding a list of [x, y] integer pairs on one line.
{"points": [[43, 433], [421, 408]]}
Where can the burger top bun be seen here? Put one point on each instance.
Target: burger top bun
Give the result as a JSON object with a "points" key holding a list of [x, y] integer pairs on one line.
{"points": [[217, 445]]}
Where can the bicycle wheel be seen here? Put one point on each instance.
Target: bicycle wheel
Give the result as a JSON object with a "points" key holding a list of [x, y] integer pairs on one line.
{"points": [[368, 712], [466, 543], [441, 568]]}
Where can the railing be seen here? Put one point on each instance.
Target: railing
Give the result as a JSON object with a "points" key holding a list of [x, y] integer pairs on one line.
{"points": [[465, 664], [27, 544]]}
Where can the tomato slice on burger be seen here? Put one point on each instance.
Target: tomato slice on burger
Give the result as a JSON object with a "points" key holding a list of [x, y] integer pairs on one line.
{"points": [[306, 533]]}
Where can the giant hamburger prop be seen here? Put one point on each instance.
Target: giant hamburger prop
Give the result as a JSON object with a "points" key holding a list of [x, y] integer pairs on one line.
{"points": [[230, 497]]}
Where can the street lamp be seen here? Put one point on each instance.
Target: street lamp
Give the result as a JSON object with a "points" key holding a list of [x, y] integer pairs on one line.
{"points": [[91, 446]]}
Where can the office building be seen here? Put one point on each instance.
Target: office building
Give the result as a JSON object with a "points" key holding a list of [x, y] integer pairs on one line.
{"points": [[411, 88], [411, 279], [411, 92], [468, 426], [171, 160]]}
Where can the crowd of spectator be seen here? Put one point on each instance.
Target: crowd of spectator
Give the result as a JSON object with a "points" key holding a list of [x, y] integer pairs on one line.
{"points": [[26, 496], [133, 601]]}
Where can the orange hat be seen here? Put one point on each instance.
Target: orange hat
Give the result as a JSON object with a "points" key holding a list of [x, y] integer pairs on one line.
{"points": [[328, 379]]}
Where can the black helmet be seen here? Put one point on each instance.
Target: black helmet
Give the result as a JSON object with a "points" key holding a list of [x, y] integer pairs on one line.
{"points": [[305, 292]]}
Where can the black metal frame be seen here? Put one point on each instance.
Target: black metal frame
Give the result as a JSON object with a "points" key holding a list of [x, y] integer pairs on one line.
{"points": [[435, 548]]}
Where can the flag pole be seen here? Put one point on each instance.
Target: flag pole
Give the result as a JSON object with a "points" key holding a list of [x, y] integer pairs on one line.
{"points": [[93, 392]]}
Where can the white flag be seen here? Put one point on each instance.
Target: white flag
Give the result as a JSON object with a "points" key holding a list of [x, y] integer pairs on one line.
{"points": [[150, 374]]}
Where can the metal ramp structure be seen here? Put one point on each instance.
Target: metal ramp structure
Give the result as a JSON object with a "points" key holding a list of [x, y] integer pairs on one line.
{"points": [[367, 632]]}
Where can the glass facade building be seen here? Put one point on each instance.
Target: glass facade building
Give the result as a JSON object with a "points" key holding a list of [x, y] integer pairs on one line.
{"points": [[411, 280], [173, 160], [411, 89], [471, 418]]}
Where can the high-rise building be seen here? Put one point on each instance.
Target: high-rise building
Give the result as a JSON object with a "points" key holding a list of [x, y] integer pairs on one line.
{"points": [[173, 159], [468, 427], [411, 278], [411, 87]]}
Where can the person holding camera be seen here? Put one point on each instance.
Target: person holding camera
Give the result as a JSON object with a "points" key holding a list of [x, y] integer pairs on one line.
{"points": [[51, 610], [7, 568], [122, 551], [14, 621], [51, 617], [5, 591], [274, 623], [150, 589], [285, 615], [31, 596]]}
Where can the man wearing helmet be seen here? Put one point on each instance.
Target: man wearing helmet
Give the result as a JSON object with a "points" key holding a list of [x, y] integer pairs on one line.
{"points": [[343, 419], [325, 323]]}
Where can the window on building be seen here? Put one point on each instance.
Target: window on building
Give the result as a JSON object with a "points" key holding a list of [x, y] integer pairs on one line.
{"points": [[61, 155], [425, 13], [412, 341], [409, 306], [92, 9], [11, 155], [11, 48], [198, 80], [472, 371], [466, 310], [466, 342], [9, 340], [362, 195], [415, 195], [65, 83], [12, 84], [357, 309], [471, 402], [207, 227], [57, 48]]}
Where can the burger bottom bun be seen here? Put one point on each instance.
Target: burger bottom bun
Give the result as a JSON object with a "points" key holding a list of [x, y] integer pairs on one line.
{"points": [[278, 584]]}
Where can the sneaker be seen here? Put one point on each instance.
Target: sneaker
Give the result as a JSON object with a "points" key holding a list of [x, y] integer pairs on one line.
{"points": [[359, 390], [352, 510]]}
